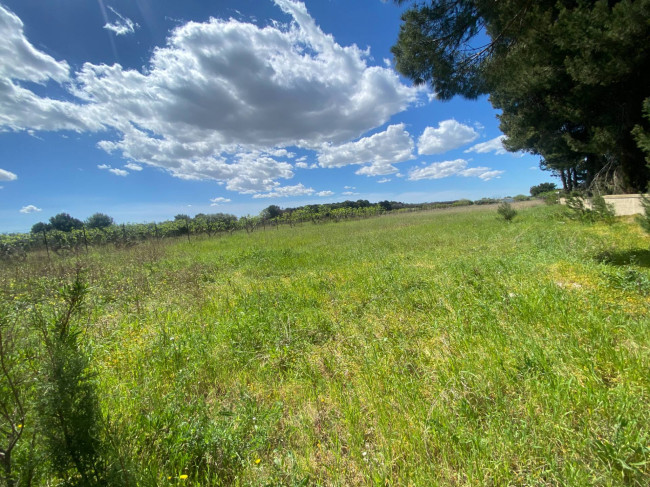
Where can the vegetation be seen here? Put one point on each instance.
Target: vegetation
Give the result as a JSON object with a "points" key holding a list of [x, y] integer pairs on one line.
{"points": [[506, 211], [542, 188], [571, 78], [429, 348], [65, 234]]}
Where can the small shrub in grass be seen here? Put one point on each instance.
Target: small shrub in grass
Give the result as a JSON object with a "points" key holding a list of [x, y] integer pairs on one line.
{"points": [[69, 407], [603, 211], [506, 211], [550, 197], [600, 210], [644, 220], [521, 197]]}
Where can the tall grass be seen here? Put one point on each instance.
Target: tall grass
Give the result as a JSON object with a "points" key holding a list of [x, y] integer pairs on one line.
{"points": [[442, 348]]}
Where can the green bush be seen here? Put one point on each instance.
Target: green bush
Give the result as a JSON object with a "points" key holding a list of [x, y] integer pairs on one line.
{"points": [[644, 220], [506, 211], [600, 210]]}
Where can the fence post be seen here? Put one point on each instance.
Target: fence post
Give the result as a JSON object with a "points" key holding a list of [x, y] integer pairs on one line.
{"points": [[47, 248], [85, 238]]}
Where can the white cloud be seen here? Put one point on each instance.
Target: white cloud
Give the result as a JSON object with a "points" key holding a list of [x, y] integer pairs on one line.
{"points": [[7, 175], [381, 150], [493, 145], [449, 135], [224, 86], [325, 193], [484, 173], [21, 108], [349, 187], [302, 165], [116, 171], [533, 168], [122, 26], [30, 209], [221, 100], [384, 180], [486, 176], [438, 170], [285, 191], [133, 167], [349, 193], [458, 167], [220, 199]]}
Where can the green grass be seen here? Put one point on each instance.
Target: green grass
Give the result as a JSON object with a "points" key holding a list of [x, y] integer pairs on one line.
{"points": [[441, 348]]}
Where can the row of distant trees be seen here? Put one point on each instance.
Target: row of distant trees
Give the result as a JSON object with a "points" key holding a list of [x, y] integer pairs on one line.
{"points": [[63, 222], [65, 233]]}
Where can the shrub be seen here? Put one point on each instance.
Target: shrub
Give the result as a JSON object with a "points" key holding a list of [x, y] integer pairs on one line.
{"points": [[506, 211], [600, 210], [644, 220]]}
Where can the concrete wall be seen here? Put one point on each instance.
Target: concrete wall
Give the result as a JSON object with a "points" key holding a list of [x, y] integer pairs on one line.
{"points": [[624, 204]]}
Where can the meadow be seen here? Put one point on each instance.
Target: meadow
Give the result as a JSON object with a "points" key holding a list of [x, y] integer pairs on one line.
{"points": [[433, 348]]}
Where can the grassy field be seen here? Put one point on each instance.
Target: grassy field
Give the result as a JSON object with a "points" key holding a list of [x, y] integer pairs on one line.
{"points": [[439, 348]]}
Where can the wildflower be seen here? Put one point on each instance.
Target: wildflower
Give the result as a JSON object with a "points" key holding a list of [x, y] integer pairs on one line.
{"points": [[182, 477], [258, 461]]}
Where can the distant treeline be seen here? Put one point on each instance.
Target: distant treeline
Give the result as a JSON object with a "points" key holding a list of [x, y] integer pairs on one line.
{"points": [[64, 233]]}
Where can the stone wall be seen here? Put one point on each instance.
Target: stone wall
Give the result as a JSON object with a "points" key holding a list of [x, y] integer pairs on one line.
{"points": [[624, 204]]}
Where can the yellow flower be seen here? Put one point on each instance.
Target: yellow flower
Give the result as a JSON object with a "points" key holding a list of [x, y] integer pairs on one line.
{"points": [[258, 461], [19, 426], [182, 477]]}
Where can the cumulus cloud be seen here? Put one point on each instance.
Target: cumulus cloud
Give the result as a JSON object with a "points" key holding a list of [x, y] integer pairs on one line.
{"points": [[21, 108], [222, 100], [7, 175], [30, 209], [457, 167], [285, 191], [325, 193], [384, 180], [121, 26], [133, 167], [380, 150], [449, 135], [493, 145], [224, 86]]}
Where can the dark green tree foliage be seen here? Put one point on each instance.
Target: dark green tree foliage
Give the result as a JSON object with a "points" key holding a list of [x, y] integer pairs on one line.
{"points": [[99, 220], [65, 223], [273, 211], [69, 408], [570, 77], [542, 188], [40, 227], [643, 135]]}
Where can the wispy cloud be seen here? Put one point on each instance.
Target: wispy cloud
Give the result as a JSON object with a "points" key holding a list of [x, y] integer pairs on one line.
{"points": [[114, 170], [7, 175], [493, 145], [122, 26]]}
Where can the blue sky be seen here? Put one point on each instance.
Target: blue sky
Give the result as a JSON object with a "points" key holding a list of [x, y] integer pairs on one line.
{"points": [[143, 109]]}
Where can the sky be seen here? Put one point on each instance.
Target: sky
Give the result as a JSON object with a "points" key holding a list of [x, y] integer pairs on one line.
{"points": [[144, 109]]}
